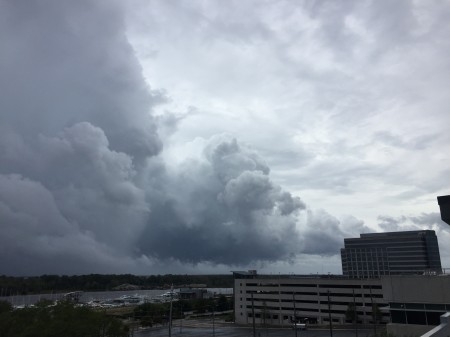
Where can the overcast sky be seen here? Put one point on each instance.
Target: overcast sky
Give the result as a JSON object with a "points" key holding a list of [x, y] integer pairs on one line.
{"points": [[207, 136]]}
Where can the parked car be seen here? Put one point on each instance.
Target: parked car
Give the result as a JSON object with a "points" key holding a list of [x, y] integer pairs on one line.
{"points": [[299, 326]]}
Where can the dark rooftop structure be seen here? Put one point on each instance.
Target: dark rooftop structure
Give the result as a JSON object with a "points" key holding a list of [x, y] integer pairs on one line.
{"points": [[444, 205]]}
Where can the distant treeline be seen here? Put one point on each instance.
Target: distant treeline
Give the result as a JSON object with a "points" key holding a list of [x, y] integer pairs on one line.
{"points": [[10, 285]]}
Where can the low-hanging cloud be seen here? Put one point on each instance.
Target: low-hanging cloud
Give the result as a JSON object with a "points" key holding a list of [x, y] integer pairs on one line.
{"points": [[83, 185]]}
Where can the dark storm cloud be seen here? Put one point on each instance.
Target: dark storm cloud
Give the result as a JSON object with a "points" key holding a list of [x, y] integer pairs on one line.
{"points": [[67, 62], [223, 208], [83, 187], [75, 129]]}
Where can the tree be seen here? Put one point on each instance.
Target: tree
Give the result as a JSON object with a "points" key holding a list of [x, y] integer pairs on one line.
{"points": [[200, 305], [222, 303], [63, 319], [5, 306], [151, 313]]}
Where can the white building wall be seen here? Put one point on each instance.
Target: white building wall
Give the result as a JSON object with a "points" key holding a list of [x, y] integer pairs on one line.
{"points": [[275, 297]]}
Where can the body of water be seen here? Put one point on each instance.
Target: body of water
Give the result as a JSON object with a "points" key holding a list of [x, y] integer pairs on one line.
{"points": [[25, 300]]}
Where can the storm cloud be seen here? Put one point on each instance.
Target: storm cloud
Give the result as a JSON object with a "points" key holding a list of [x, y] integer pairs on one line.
{"points": [[76, 129], [82, 185], [89, 181]]}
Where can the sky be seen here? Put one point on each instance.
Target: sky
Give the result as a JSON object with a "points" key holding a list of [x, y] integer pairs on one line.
{"points": [[154, 137]]}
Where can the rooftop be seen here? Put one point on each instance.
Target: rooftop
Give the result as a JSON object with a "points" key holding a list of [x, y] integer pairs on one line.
{"points": [[444, 205]]}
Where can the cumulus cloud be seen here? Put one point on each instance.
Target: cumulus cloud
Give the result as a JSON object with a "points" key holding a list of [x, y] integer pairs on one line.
{"points": [[224, 199], [81, 181]]}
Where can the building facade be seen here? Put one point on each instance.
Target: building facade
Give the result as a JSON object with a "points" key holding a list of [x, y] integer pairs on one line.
{"points": [[392, 253], [410, 305], [416, 303], [280, 301]]}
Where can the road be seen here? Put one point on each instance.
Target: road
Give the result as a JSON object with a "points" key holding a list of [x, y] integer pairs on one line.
{"points": [[233, 331]]}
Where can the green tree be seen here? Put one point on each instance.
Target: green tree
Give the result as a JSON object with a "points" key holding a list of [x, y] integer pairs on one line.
{"points": [[63, 319], [5, 306], [200, 306], [222, 303], [153, 313]]}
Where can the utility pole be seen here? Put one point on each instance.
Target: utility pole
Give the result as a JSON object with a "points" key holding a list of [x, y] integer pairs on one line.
{"points": [[214, 330], [295, 313], [181, 317], [170, 312], [329, 315], [253, 316], [374, 314], [355, 315]]}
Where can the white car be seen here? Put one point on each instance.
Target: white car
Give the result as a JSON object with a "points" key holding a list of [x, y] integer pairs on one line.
{"points": [[299, 326]]}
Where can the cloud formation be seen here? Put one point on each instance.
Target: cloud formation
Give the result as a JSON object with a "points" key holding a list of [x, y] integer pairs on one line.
{"points": [[75, 129], [222, 208], [86, 184], [81, 181]]}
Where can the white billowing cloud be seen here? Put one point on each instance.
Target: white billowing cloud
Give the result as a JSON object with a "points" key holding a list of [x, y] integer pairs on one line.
{"points": [[343, 99]]}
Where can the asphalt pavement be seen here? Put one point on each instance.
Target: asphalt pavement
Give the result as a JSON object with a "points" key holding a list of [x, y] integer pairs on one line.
{"points": [[234, 331]]}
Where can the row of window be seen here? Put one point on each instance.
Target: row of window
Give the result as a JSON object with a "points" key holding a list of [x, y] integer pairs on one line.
{"points": [[336, 286], [416, 317], [351, 295], [420, 306], [323, 311], [392, 259], [349, 243], [299, 303]]}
